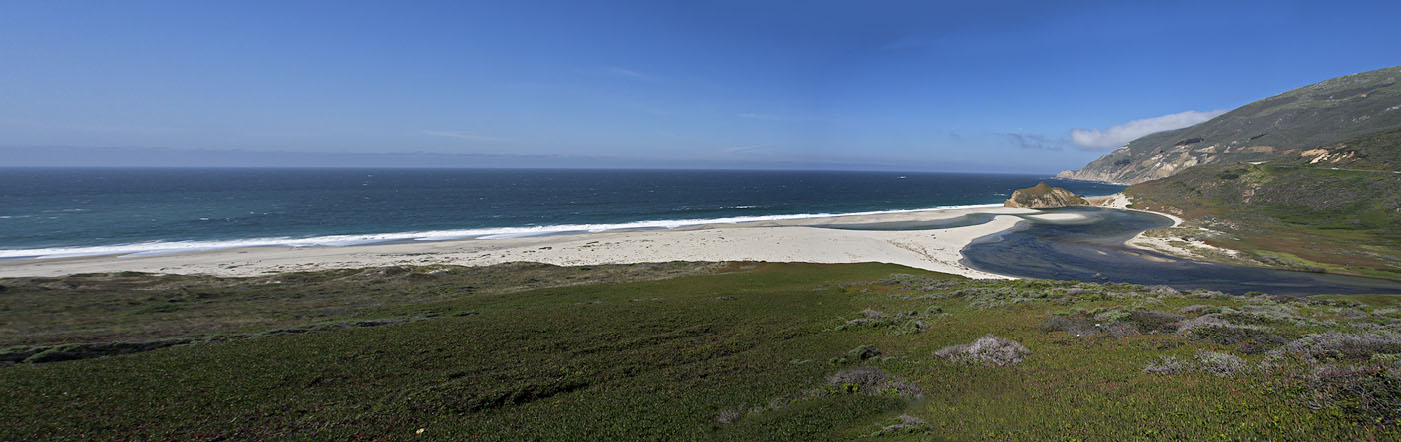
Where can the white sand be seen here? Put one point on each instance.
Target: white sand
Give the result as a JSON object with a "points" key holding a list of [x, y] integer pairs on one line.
{"points": [[1115, 201], [779, 241], [1121, 201], [1060, 217]]}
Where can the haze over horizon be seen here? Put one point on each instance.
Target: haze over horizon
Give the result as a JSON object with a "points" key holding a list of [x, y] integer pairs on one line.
{"points": [[986, 87]]}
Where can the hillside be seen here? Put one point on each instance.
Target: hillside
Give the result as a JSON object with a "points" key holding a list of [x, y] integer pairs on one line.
{"points": [[1043, 196], [1284, 125], [742, 351], [1336, 208]]}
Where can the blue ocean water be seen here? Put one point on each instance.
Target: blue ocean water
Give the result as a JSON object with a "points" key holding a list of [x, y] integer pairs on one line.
{"points": [[49, 212]]}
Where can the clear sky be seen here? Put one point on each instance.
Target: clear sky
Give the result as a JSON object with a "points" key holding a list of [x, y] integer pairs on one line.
{"points": [[921, 85]]}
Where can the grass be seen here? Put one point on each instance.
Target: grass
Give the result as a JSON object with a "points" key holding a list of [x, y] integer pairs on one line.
{"points": [[733, 352], [132, 306], [1290, 216]]}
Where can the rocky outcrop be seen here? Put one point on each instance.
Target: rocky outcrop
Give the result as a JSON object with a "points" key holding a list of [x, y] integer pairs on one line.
{"points": [[1043, 196], [1282, 126]]}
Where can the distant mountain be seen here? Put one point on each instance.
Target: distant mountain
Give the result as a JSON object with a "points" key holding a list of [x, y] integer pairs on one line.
{"points": [[1284, 125]]}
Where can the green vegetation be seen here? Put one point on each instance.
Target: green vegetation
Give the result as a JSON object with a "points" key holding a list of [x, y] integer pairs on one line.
{"points": [[1340, 217], [1044, 196], [135, 307], [727, 352]]}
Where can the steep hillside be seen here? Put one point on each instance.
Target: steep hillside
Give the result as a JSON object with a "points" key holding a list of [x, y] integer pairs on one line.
{"points": [[1280, 126], [1329, 209], [1380, 151]]}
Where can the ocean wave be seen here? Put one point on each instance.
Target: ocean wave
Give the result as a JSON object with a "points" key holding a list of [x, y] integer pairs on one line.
{"points": [[162, 247]]}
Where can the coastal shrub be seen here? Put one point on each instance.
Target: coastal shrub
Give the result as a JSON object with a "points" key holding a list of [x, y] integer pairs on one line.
{"points": [[1154, 322], [1359, 346], [1252, 340], [1266, 314], [863, 352], [1386, 311], [1210, 294], [871, 381], [1073, 325], [1119, 329], [1080, 326], [1199, 309], [1162, 290], [1391, 358], [868, 317], [1213, 320], [905, 424], [1114, 315], [912, 327], [903, 323], [1219, 363], [1166, 365], [730, 415], [1258, 341], [1368, 394], [905, 281], [1352, 313], [1075, 291], [1365, 326], [991, 350]]}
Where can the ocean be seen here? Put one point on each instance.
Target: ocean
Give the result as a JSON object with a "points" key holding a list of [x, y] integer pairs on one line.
{"points": [[67, 212]]}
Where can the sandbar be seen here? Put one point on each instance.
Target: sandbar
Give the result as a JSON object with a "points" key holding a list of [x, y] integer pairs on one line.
{"points": [[775, 241]]}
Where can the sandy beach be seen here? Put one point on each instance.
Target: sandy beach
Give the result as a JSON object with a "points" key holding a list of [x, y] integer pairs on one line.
{"points": [[777, 241]]}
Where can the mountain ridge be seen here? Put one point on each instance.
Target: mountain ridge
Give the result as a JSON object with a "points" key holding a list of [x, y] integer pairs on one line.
{"points": [[1289, 123]]}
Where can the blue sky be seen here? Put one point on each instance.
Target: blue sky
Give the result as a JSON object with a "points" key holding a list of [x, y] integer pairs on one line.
{"points": [[946, 86]]}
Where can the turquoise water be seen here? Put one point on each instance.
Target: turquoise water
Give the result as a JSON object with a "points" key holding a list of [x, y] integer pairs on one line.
{"points": [[55, 212]]}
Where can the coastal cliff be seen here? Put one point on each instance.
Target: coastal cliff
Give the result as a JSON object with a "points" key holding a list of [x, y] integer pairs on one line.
{"points": [[1281, 126], [1043, 196]]}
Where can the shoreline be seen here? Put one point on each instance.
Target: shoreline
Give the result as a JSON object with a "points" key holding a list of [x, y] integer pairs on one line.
{"points": [[365, 239], [776, 240]]}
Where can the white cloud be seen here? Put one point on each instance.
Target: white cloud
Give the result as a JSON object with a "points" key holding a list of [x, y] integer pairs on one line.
{"points": [[464, 136], [1119, 135]]}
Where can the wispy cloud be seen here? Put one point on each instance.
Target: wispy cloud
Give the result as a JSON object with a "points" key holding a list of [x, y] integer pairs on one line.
{"points": [[465, 136], [1035, 142], [1096, 139]]}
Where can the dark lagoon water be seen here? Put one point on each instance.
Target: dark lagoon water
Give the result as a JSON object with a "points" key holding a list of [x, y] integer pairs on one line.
{"points": [[1094, 251], [61, 212]]}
